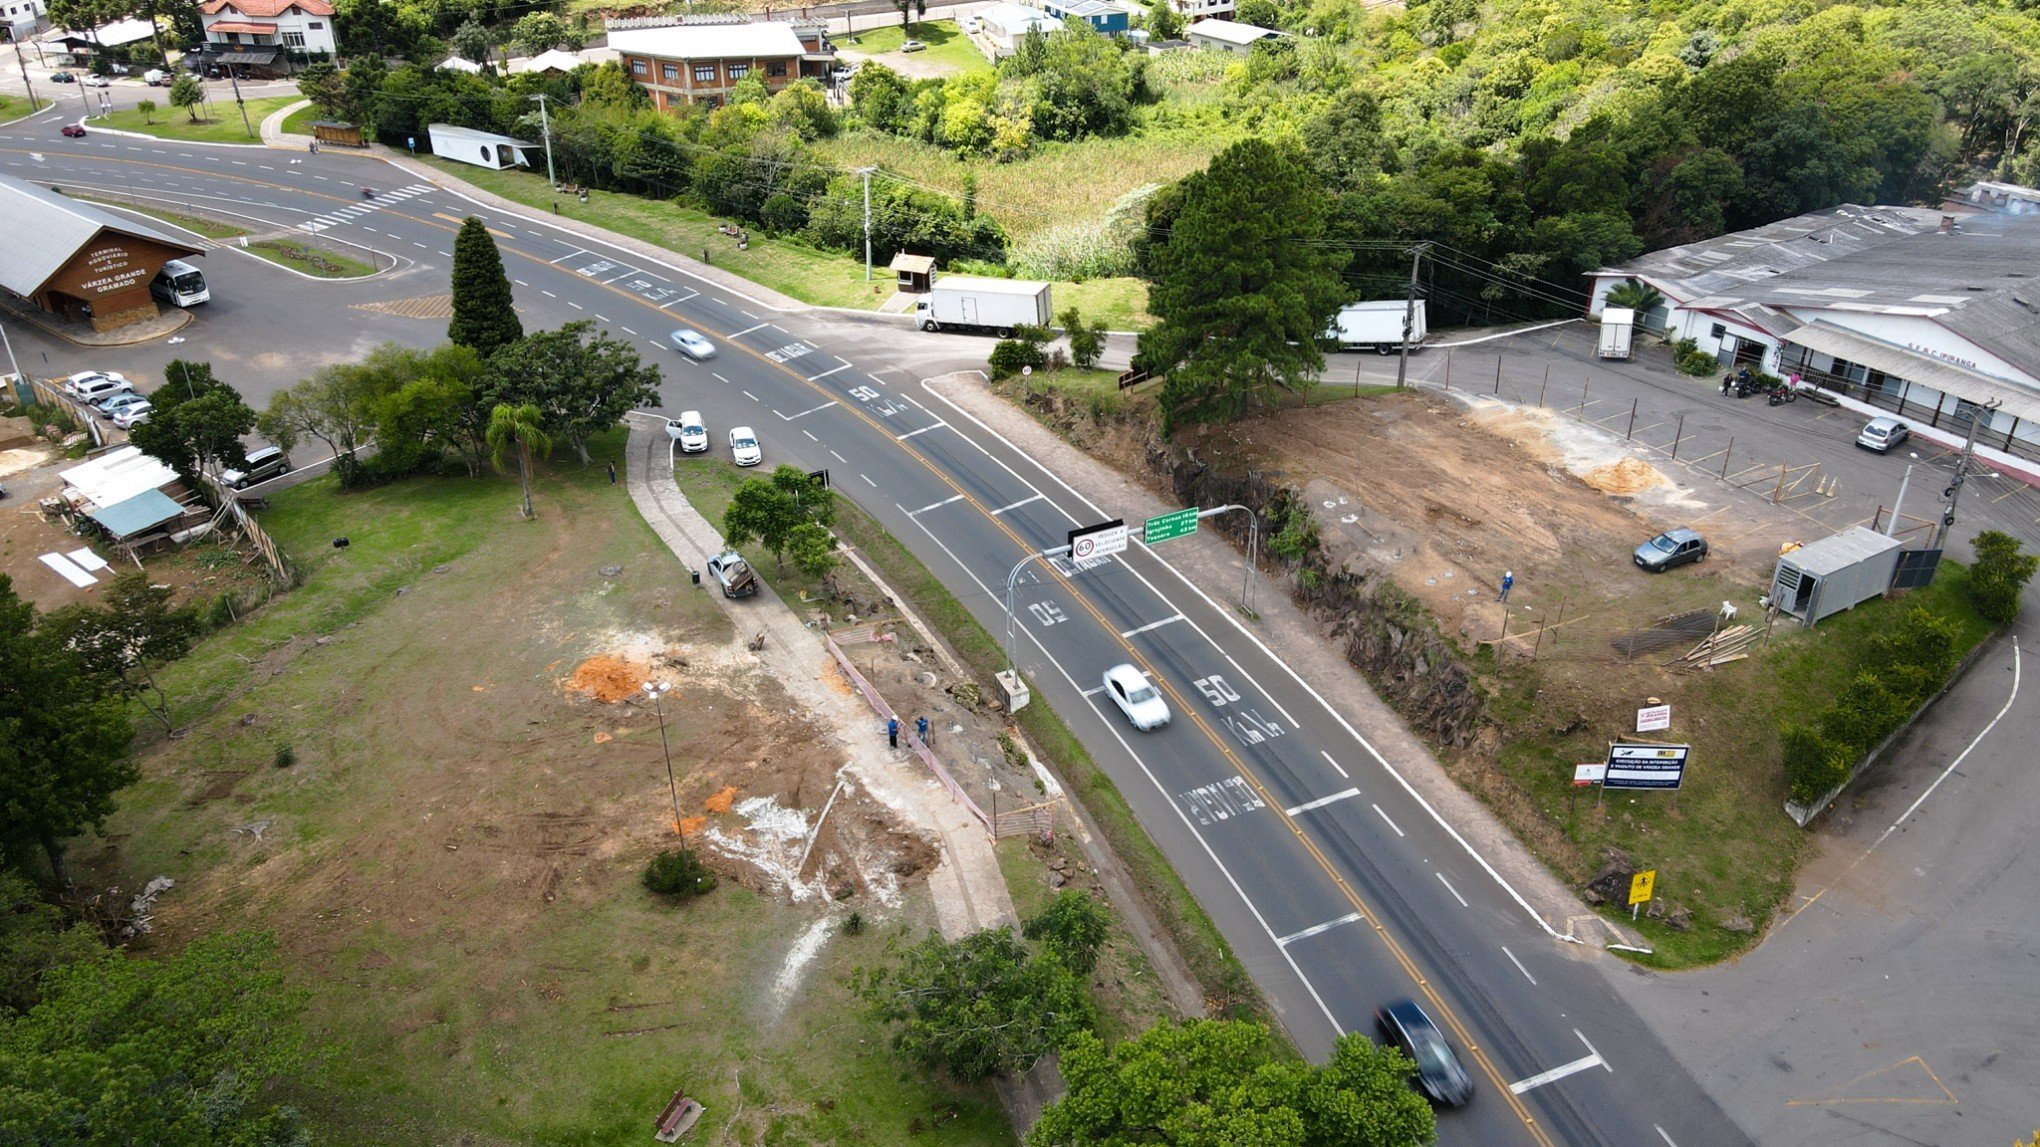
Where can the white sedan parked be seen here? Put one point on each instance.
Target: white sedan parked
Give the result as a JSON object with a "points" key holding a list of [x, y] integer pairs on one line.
{"points": [[744, 448]]}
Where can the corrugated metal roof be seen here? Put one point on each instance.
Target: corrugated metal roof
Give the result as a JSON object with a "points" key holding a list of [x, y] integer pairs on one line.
{"points": [[127, 518], [711, 41], [45, 229], [1230, 32], [118, 475], [1945, 377], [1841, 551]]}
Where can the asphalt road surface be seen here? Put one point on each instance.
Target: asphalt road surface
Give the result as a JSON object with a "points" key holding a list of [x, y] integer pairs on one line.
{"points": [[1335, 883]]}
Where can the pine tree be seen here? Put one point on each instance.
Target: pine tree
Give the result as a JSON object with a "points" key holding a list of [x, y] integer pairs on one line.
{"points": [[483, 317]]}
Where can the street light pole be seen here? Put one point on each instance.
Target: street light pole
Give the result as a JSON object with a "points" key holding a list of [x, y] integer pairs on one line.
{"points": [[657, 691], [33, 106], [1891, 529], [1013, 579], [545, 133], [235, 81], [866, 173]]}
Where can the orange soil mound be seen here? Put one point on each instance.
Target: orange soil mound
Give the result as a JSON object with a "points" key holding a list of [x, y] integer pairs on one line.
{"points": [[607, 679], [1629, 476], [721, 802]]}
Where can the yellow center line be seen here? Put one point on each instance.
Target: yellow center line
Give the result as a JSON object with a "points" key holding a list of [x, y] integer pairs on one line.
{"points": [[1395, 949]]}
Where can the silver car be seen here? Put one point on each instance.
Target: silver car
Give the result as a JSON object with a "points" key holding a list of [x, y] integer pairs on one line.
{"points": [[692, 343], [1881, 434], [1136, 697]]}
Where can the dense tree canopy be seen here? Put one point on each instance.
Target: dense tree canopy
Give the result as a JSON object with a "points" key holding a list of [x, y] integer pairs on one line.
{"points": [[484, 317]]}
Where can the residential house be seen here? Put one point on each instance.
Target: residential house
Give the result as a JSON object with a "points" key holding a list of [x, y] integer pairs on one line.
{"points": [[1225, 36], [701, 63], [1004, 25], [1111, 17], [20, 19], [1194, 10], [263, 36]]}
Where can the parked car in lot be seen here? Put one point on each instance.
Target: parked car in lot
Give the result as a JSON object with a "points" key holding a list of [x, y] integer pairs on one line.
{"points": [[63, 78], [689, 431], [112, 404], [132, 416], [1405, 1027], [263, 464], [1671, 548], [1136, 697], [1881, 434], [744, 448], [692, 343], [75, 385], [105, 386], [156, 78], [72, 130]]}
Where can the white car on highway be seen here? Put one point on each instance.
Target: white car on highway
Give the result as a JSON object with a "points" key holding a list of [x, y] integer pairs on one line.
{"points": [[1136, 697], [744, 448], [693, 344]]}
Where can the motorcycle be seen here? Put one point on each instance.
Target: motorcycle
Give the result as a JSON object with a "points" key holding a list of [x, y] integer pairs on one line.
{"points": [[368, 193], [1782, 394]]}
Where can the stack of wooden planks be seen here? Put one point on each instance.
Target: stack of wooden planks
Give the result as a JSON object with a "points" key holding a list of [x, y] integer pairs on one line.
{"points": [[1731, 644]]}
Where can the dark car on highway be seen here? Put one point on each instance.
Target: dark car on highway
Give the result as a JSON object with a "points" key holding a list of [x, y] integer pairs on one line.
{"points": [[73, 130], [1671, 548], [1405, 1027]]}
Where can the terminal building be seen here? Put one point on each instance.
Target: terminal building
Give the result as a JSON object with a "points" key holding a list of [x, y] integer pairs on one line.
{"points": [[78, 262], [1931, 313]]}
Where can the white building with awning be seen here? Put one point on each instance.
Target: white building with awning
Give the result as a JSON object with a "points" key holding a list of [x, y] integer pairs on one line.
{"points": [[1931, 315]]}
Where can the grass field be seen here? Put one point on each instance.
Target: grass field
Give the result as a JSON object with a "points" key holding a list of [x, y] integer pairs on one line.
{"points": [[14, 107], [309, 259], [451, 860], [1722, 846], [948, 47], [218, 122], [210, 228], [300, 121], [823, 278]]}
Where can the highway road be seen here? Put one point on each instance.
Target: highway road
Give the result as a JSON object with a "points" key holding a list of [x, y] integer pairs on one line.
{"points": [[1335, 882]]}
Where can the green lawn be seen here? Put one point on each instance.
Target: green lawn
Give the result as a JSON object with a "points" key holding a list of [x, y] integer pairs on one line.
{"points": [[218, 122], [1722, 846], [793, 269], [14, 107], [452, 861], [300, 121], [947, 46], [310, 259], [211, 229]]}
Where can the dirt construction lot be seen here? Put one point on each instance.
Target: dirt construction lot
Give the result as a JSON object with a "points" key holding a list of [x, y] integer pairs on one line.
{"points": [[450, 847]]}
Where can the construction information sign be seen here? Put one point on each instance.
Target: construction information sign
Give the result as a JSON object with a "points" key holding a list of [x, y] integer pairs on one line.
{"points": [[1645, 766], [1098, 541]]}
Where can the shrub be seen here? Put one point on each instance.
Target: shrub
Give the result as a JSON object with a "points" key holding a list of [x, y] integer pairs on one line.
{"points": [[1999, 576], [854, 926], [1690, 359], [1812, 764], [285, 756], [1012, 354], [680, 875]]}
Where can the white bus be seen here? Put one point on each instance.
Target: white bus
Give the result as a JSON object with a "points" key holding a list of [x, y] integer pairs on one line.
{"points": [[180, 284]]}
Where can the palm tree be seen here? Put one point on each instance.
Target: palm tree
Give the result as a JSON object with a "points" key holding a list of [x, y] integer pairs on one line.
{"points": [[519, 426], [1637, 296]]}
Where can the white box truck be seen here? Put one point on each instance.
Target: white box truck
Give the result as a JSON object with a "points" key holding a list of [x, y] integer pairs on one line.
{"points": [[1617, 323], [963, 302], [1377, 326]]}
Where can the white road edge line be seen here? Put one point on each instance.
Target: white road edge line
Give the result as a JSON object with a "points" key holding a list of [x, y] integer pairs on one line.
{"points": [[1461, 899], [923, 430], [1139, 629], [1556, 1073], [1315, 929], [826, 373], [1321, 802], [748, 330], [1493, 873], [1391, 824], [1663, 1136], [1515, 961]]}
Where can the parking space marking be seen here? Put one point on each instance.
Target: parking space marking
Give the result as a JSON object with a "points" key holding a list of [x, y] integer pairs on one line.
{"points": [[748, 330], [1316, 929], [1321, 802], [923, 430], [808, 411]]}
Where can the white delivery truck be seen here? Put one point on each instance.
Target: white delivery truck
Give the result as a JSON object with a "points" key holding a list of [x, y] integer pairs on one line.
{"points": [[1377, 326], [1617, 323], [964, 302]]}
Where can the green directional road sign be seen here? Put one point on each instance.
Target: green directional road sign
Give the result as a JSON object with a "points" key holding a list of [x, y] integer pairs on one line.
{"points": [[1180, 524]]}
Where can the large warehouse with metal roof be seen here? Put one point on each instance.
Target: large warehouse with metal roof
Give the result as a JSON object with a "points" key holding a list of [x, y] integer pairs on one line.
{"points": [[77, 261]]}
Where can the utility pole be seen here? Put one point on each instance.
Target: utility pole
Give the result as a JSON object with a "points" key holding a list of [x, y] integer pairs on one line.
{"points": [[1961, 473], [545, 133], [1891, 528], [235, 80], [33, 106], [866, 173], [1409, 316]]}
